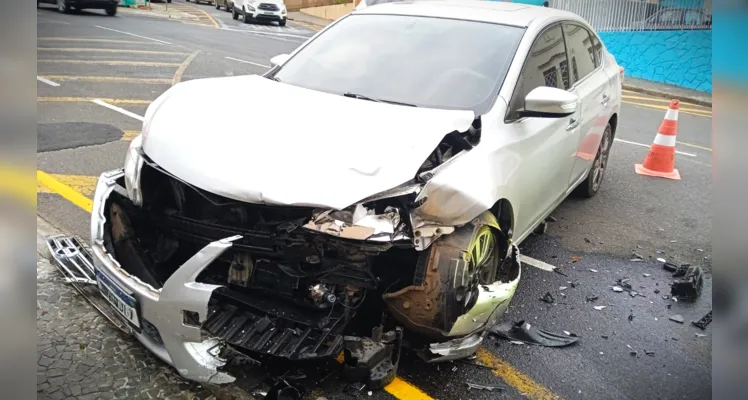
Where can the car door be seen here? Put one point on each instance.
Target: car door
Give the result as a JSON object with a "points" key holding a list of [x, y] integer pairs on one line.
{"points": [[545, 144], [592, 85]]}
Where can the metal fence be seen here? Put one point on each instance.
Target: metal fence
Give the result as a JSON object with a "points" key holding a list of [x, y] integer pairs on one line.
{"points": [[641, 15]]}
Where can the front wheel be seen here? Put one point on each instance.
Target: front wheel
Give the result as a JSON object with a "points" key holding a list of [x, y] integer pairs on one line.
{"points": [[218, 6], [247, 18], [591, 185], [282, 22], [111, 11], [234, 14]]}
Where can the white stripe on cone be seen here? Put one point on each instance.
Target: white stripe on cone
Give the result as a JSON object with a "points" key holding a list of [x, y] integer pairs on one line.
{"points": [[665, 140], [671, 114]]}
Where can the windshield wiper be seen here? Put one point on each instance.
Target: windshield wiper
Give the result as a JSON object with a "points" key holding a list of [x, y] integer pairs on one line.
{"points": [[362, 97]]}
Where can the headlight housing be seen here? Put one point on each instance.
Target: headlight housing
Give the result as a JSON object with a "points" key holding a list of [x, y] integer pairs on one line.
{"points": [[133, 166]]}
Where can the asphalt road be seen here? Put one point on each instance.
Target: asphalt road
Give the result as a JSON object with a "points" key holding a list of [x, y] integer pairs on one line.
{"points": [[127, 61]]}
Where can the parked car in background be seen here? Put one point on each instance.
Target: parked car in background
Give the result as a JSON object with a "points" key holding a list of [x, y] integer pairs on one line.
{"points": [[260, 10], [202, 1], [226, 4], [66, 6]]}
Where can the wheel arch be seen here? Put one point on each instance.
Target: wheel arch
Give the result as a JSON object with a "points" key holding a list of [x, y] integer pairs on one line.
{"points": [[504, 213], [613, 121]]}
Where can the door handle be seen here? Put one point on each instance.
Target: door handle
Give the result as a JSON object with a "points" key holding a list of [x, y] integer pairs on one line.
{"points": [[573, 123], [605, 99]]}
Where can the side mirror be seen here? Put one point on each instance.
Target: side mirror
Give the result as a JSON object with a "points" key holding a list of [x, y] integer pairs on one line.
{"points": [[549, 102], [280, 59]]}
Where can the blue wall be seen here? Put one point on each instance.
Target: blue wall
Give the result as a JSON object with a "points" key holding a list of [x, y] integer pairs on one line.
{"points": [[678, 57]]}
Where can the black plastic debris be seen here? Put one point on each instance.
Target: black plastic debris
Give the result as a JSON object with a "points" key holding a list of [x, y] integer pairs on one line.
{"points": [[548, 298], [604, 336], [649, 353], [670, 267], [631, 315], [681, 271], [524, 332], [689, 286], [480, 386], [372, 360], [677, 318], [354, 389], [657, 291], [633, 353], [283, 390], [704, 321], [590, 299]]}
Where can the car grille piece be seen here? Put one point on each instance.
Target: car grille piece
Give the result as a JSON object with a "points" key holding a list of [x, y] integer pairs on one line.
{"points": [[268, 7], [72, 259]]}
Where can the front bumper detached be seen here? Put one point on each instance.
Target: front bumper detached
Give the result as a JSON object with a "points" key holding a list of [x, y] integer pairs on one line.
{"points": [[162, 312]]}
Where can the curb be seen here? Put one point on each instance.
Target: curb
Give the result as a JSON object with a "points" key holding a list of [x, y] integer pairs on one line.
{"points": [[666, 95]]}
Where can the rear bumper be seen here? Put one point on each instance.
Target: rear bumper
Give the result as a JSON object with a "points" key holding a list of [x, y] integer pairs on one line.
{"points": [[162, 311]]}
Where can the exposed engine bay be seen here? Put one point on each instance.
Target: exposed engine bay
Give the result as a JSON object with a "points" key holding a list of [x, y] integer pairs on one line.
{"points": [[303, 283]]}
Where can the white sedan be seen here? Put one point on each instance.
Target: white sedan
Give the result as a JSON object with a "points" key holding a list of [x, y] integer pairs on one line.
{"points": [[390, 165]]}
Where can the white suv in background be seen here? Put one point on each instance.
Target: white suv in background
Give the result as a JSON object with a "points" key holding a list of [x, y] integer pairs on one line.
{"points": [[260, 10]]}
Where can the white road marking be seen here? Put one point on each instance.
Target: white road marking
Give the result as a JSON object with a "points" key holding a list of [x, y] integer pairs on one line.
{"points": [[118, 109], [536, 263], [132, 34], [267, 33], [47, 81], [648, 146], [248, 62], [54, 21]]}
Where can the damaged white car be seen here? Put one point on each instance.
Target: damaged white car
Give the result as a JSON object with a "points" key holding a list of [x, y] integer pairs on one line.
{"points": [[372, 197]]}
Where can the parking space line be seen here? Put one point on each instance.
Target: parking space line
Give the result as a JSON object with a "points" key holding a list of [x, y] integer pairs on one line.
{"points": [[514, 378], [132, 34], [118, 109], [691, 111], [659, 100], [406, 391], [111, 62], [648, 146], [54, 21], [64, 190], [109, 79], [92, 39], [85, 185], [248, 62], [95, 50], [85, 99], [696, 146], [183, 67], [47, 81]]}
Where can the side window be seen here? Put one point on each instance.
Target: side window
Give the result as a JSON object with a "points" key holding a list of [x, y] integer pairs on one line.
{"points": [[578, 41], [545, 65], [596, 50]]}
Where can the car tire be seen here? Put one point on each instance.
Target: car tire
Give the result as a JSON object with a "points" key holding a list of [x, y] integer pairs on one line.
{"points": [[168, 1], [218, 6], [591, 185], [247, 18], [63, 7], [234, 14], [111, 11], [282, 22]]}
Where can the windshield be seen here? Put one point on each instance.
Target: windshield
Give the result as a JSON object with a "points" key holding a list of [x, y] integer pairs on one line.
{"points": [[422, 61]]}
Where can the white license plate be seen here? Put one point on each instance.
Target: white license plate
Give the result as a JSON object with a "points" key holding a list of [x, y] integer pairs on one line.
{"points": [[123, 303], [268, 13]]}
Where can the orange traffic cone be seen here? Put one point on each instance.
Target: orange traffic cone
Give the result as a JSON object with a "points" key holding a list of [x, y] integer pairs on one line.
{"points": [[660, 160]]}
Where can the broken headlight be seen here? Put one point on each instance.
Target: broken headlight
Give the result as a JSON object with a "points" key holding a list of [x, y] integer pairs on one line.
{"points": [[133, 166]]}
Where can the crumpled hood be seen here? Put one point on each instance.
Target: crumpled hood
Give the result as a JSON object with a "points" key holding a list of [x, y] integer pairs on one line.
{"points": [[256, 140]]}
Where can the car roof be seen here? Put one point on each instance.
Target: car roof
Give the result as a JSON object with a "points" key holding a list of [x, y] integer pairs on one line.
{"points": [[499, 12]]}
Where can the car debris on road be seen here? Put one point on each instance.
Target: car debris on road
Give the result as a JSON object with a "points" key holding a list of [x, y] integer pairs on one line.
{"points": [[480, 386], [524, 332], [704, 321]]}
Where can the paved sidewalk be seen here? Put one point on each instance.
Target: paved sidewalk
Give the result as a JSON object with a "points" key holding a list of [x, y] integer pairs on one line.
{"points": [[667, 91], [299, 16]]}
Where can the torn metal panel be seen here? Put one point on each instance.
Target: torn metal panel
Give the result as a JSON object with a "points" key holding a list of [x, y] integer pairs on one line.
{"points": [[453, 349], [72, 259], [359, 223]]}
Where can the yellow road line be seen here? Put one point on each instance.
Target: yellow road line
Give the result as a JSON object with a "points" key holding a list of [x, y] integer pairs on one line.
{"points": [[187, 8], [64, 190], [91, 39], [112, 62], [85, 99], [514, 378], [656, 99], [701, 113], [105, 79], [129, 135], [180, 71], [405, 391], [15, 182], [93, 50]]}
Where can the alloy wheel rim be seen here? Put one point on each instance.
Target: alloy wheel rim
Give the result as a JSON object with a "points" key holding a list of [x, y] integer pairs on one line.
{"points": [[601, 161], [61, 5]]}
